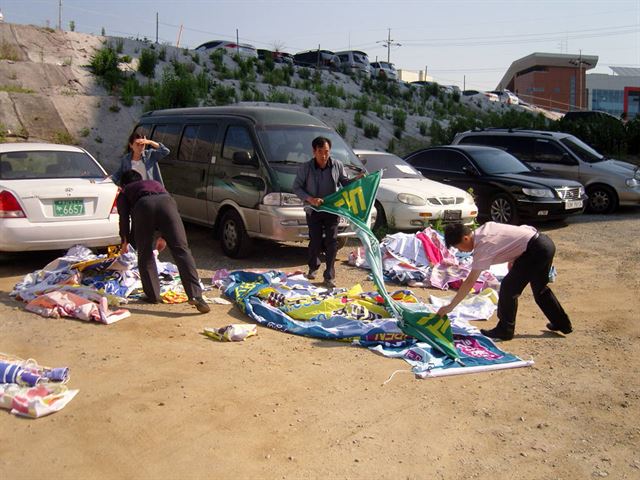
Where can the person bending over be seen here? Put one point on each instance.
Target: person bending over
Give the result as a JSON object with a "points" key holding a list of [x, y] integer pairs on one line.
{"points": [[151, 209], [530, 255]]}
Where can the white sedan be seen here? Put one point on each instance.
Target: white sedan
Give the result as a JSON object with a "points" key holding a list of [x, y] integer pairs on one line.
{"points": [[53, 197], [408, 201]]}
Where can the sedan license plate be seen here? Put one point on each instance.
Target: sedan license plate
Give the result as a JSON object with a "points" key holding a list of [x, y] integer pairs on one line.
{"points": [[570, 204], [68, 208], [452, 215]]}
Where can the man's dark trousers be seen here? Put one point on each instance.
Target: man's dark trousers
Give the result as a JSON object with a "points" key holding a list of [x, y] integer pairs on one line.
{"points": [[531, 267], [159, 213], [323, 236]]}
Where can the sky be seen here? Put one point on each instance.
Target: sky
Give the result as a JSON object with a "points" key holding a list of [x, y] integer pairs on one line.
{"points": [[469, 43]]}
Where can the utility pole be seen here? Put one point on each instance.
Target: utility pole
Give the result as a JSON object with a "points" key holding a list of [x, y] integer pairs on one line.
{"points": [[578, 104], [156, 28], [580, 81], [237, 43], [59, 14], [387, 43]]}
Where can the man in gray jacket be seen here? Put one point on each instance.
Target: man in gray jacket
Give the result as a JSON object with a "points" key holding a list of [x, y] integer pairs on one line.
{"points": [[315, 179]]}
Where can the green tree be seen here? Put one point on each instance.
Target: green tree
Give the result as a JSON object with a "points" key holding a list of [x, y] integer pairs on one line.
{"points": [[148, 62]]}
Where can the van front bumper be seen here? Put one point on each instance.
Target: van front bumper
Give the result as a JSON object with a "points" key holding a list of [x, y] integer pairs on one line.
{"points": [[289, 224]]}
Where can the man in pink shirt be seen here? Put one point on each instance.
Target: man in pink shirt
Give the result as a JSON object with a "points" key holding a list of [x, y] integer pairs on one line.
{"points": [[529, 254]]}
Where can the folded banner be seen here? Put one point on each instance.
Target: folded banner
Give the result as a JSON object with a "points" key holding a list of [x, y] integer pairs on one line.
{"points": [[354, 202]]}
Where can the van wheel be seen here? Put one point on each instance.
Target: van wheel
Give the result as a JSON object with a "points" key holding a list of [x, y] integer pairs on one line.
{"points": [[602, 199], [233, 236], [503, 210]]}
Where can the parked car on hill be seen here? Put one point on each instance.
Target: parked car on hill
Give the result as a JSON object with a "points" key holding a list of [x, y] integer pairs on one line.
{"points": [[492, 97], [355, 61], [505, 96], [231, 48], [277, 57], [406, 200], [609, 182], [53, 197], [317, 58], [505, 189], [384, 70]]}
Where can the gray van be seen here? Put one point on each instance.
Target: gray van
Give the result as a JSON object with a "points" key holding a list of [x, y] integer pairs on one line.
{"points": [[233, 168], [609, 183]]}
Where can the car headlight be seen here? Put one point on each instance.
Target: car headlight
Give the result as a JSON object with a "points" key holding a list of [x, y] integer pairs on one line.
{"points": [[410, 199], [632, 182], [538, 192], [282, 200]]}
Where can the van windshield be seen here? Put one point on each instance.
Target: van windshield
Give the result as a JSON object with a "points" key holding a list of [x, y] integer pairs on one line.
{"points": [[582, 150], [288, 146]]}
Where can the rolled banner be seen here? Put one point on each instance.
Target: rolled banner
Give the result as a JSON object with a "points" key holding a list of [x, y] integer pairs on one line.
{"points": [[28, 378], [9, 372], [57, 374]]}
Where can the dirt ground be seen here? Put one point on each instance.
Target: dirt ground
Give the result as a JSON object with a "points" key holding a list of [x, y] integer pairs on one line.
{"points": [[159, 400]]}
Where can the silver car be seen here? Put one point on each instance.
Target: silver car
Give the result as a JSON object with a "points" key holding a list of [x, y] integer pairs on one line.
{"points": [[609, 183]]}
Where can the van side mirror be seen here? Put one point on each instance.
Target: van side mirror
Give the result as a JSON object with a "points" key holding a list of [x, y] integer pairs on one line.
{"points": [[244, 158]]}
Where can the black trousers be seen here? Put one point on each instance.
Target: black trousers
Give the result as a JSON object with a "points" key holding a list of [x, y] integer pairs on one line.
{"points": [[323, 236], [159, 213], [532, 267]]}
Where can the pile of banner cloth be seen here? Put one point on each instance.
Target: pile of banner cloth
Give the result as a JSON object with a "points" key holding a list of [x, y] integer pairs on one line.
{"points": [[396, 325], [422, 260], [91, 287], [31, 390]]}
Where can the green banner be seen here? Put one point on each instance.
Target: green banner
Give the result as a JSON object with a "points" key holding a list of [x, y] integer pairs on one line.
{"points": [[354, 202]]}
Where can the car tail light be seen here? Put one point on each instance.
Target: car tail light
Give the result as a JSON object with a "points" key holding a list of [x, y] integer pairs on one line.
{"points": [[9, 206], [114, 208]]}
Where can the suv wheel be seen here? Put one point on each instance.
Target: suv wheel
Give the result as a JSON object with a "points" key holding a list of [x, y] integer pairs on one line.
{"points": [[503, 210], [233, 236], [602, 199]]}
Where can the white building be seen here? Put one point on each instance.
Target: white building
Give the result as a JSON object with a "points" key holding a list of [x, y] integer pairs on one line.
{"points": [[617, 93]]}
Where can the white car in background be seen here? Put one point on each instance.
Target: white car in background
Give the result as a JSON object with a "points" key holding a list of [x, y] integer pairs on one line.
{"points": [[53, 197], [384, 70], [408, 201]]}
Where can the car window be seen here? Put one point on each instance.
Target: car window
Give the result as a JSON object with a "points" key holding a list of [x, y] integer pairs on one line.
{"points": [[521, 147], [582, 150], [547, 152], [443, 160], [238, 139], [494, 161], [48, 164], [287, 146], [168, 135], [197, 143]]}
